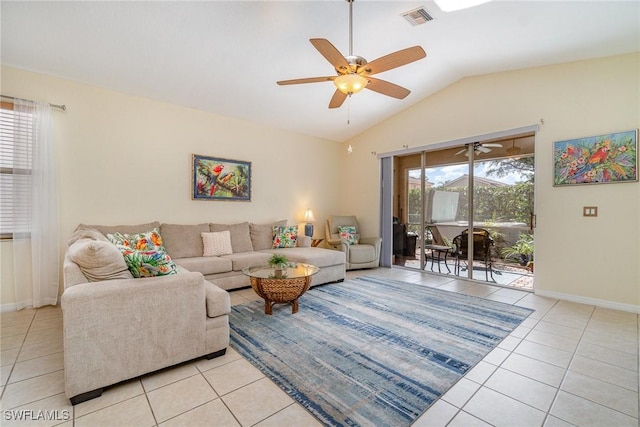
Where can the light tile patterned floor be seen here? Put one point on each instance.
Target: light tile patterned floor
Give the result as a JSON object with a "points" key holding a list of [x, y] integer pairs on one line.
{"points": [[567, 364]]}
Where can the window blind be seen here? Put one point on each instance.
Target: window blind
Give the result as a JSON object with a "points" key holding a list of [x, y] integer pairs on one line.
{"points": [[16, 155]]}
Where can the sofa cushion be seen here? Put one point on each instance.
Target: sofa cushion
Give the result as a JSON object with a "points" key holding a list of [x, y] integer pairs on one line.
{"points": [[247, 259], [218, 301], [183, 241], [124, 229], [315, 256], [86, 233], [99, 260], [217, 243], [205, 265], [262, 234], [240, 235], [144, 253], [285, 237]]}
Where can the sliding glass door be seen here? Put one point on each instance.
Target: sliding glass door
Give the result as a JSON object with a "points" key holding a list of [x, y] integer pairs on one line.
{"points": [[438, 194]]}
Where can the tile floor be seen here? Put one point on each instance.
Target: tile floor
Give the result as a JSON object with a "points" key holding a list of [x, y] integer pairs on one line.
{"points": [[567, 364]]}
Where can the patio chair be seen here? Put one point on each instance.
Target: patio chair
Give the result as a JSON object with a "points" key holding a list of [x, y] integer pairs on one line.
{"points": [[482, 243]]}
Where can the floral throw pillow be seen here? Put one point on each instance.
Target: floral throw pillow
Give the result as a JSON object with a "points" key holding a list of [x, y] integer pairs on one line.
{"points": [[348, 233], [285, 237], [144, 253]]}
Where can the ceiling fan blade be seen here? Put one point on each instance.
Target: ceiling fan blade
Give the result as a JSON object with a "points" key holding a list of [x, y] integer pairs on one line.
{"points": [[393, 60], [386, 88], [337, 99], [307, 80], [331, 54], [464, 150], [483, 149], [492, 145]]}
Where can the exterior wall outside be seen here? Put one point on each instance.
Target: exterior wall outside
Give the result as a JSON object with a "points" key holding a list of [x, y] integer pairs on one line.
{"points": [[591, 259]]}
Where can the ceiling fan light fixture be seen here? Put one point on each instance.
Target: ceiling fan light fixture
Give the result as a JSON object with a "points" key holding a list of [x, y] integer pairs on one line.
{"points": [[350, 83]]}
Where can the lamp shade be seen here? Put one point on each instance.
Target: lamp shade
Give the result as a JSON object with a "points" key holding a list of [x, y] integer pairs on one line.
{"points": [[350, 83], [308, 216]]}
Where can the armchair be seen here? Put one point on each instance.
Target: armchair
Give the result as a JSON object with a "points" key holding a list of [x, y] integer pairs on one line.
{"points": [[362, 252]]}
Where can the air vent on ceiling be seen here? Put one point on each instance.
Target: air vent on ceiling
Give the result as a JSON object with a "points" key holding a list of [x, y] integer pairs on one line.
{"points": [[417, 16]]}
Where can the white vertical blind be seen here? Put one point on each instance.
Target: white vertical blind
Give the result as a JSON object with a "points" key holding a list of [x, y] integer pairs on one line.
{"points": [[16, 156]]}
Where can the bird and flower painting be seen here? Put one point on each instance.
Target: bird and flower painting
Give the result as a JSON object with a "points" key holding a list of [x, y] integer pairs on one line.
{"points": [[221, 179], [597, 159]]}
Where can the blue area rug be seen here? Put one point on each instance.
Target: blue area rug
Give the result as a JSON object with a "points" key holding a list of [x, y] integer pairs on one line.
{"points": [[371, 351]]}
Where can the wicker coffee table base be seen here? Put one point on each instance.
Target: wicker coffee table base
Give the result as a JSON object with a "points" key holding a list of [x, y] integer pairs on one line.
{"points": [[280, 291]]}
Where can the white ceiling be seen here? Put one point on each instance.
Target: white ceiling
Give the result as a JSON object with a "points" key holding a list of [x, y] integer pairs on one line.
{"points": [[226, 56]]}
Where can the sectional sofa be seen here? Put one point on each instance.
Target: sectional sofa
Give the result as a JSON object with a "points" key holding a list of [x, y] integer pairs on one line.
{"points": [[251, 245], [116, 327]]}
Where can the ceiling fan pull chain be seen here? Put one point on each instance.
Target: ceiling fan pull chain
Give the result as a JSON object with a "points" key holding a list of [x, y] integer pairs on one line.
{"points": [[349, 110]]}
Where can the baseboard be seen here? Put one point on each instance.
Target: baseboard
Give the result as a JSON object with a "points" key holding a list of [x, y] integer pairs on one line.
{"points": [[590, 301], [5, 308]]}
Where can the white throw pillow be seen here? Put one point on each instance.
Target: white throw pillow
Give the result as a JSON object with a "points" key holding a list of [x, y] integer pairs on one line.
{"points": [[217, 243]]}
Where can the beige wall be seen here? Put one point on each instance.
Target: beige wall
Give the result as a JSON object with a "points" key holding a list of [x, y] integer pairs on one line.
{"points": [[586, 259], [123, 159]]}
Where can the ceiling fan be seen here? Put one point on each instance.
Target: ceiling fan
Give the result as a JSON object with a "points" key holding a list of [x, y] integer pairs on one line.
{"points": [[479, 148], [354, 71]]}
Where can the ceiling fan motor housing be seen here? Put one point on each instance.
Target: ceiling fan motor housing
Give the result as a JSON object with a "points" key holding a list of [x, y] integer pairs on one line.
{"points": [[354, 62]]}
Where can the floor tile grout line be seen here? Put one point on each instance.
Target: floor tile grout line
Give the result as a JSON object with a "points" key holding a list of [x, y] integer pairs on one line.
{"points": [[5, 385], [146, 396], [546, 311], [564, 376], [482, 385], [220, 395]]}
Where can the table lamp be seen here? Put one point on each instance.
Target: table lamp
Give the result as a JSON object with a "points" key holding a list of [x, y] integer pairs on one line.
{"points": [[309, 219]]}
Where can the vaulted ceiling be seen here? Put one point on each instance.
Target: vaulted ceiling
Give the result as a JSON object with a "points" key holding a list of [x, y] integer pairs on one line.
{"points": [[226, 56]]}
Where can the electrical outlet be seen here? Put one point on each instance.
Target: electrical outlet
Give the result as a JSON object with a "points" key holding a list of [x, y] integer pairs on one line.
{"points": [[591, 211]]}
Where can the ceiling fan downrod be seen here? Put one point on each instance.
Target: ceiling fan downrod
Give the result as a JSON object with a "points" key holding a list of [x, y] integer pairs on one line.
{"points": [[350, 27], [354, 61]]}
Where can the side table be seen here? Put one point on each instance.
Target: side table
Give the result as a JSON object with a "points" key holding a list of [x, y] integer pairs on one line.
{"points": [[436, 254]]}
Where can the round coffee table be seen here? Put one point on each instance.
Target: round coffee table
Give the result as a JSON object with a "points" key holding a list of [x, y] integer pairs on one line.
{"points": [[281, 286]]}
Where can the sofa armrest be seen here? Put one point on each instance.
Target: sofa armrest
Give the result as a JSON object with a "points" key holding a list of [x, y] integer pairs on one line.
{"points": [[373, 241], [119, 329], [340, 244], [218, 300], [376, 242]]}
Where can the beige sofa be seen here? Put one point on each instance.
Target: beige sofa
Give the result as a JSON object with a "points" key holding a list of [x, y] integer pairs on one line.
{"points": [[120, 327], [252, 245]]}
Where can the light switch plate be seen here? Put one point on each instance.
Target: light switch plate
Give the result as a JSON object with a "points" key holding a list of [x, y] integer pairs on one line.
{"points": [[590, 211]]}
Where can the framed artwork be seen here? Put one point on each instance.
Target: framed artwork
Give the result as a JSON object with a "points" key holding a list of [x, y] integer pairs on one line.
{"points": [[220, 179], [598, 159]]}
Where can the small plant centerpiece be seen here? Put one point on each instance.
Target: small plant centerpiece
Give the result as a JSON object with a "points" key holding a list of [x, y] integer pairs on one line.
{"points": [[522, 250], [279, 263]]}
